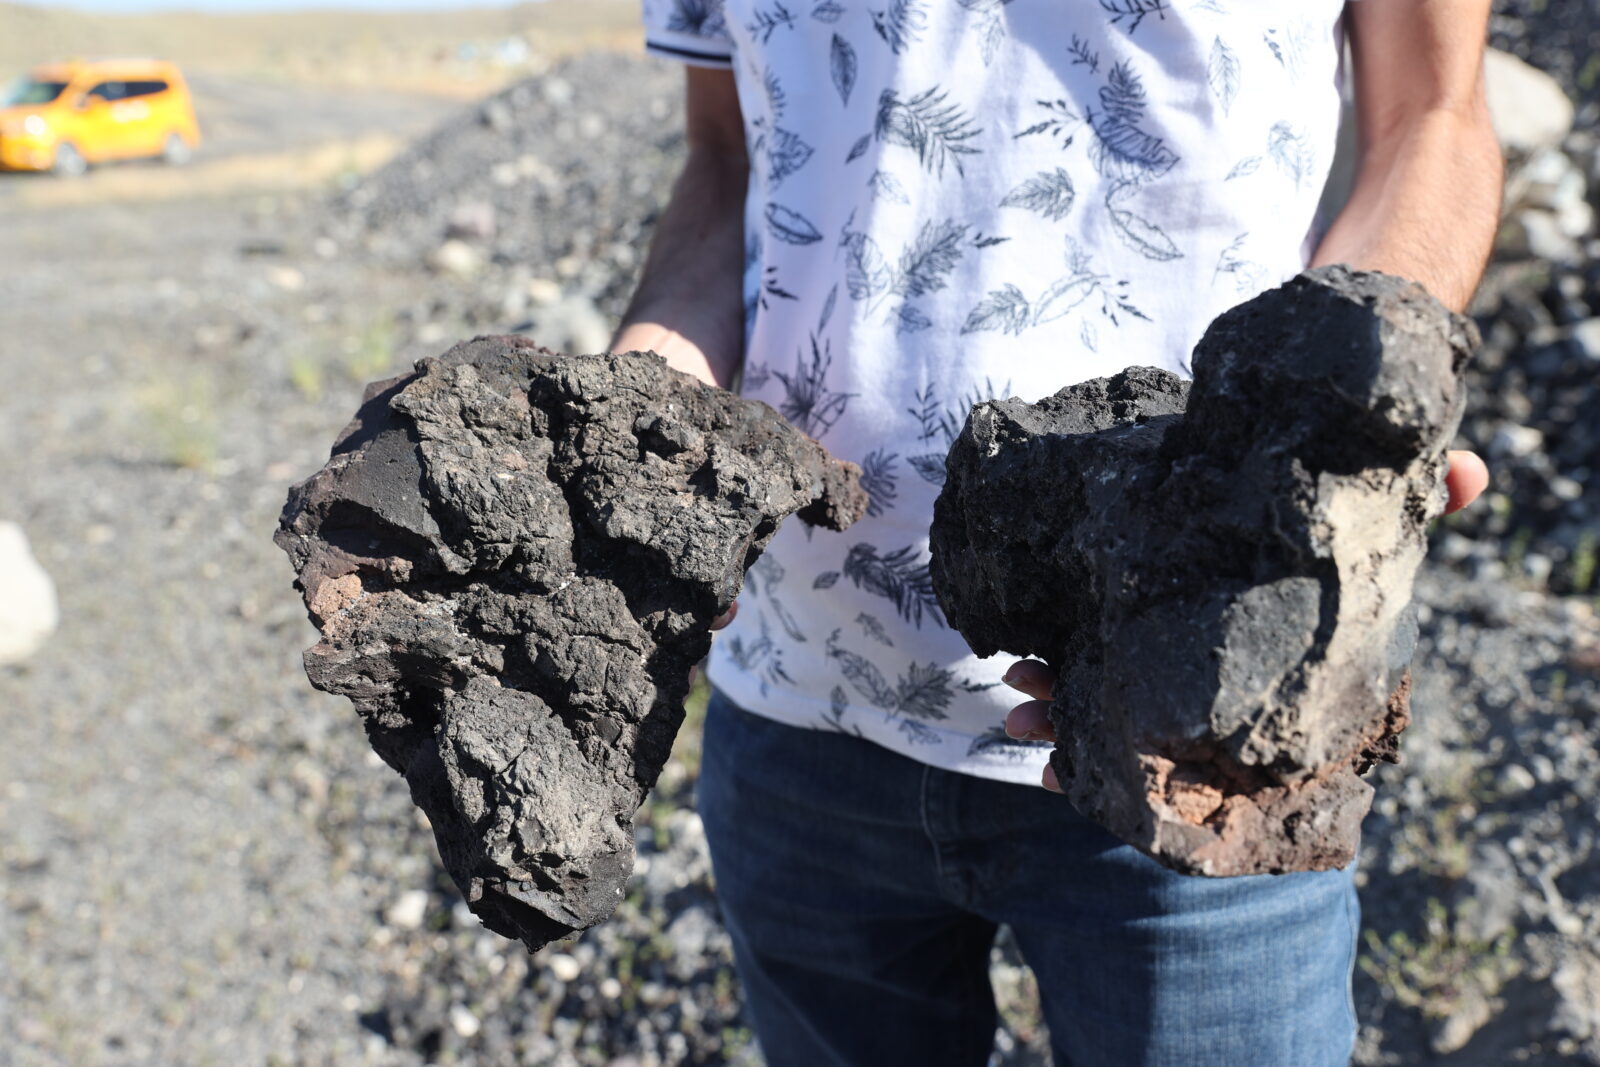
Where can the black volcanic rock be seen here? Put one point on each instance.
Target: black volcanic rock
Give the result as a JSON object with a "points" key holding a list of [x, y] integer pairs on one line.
{"points": [[514, 559], [1219, 573]]}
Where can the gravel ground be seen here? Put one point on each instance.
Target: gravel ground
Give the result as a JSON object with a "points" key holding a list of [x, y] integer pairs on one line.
{"points": [[202, 863]]}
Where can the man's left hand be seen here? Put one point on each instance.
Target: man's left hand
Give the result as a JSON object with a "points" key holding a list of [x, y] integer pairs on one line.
{"points": [[1466, 478]]}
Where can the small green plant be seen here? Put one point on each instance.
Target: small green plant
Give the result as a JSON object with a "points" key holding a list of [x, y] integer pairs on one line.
{"points": [[1517, 550], [1583, 562], [1434, 974], [1440, 843], [372, 354], [306, 375], [181, 415]]}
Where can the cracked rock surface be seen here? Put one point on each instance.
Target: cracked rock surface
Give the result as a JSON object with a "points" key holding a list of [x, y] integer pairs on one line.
{"points": [[514, 558], [1220, 573]]}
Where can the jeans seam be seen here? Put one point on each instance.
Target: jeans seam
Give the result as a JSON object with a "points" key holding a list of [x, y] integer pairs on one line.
{"points": [[927, 825], [1351, 916]]}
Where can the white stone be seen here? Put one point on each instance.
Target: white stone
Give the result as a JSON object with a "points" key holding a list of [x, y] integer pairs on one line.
{"points": [[1515, 778], [463, 1021], [564, 967], [1516, 441], [286, 278], [543, 292], [1529, 108], [1587, 335], [408, 910], [29, 612], [472, 220], [572, 325], [1536, 234], [1577, 985], [455, 257]]}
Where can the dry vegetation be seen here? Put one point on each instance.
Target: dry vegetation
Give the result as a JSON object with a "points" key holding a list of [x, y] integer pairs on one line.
{"points": [[413, 51]]}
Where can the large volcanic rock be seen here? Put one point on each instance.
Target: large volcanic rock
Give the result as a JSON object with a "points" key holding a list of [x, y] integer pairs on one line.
{"points": [[514, 559], [1220, 574]]}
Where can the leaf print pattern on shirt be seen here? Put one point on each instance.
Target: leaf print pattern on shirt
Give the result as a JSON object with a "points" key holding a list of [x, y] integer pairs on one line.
{"points": [[924, 264], [827, 308], [762, 657], [789, 226], [897, 577], [842, 67], [923, 691], [1289, 46], [929, 125], [768, 20], [838, 705], [917, 733], [874, 629], [1247, 275], [1122, 152], [699, 18], [996, 742], [1244, 168], [828, 11], [1291, 151], [1222, 73], [908, 319], [1130, 13], [786, 153], [1008, 309], [763, 579], [808, 403], [1050, 193], [923, 268], [1082, 56], [879, 480], [991, 27], [941, 423], [900, 23], [886, 186]]}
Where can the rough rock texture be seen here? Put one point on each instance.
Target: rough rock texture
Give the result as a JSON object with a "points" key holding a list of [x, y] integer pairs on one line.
{"points": [[1219, 574], [514, 558]]}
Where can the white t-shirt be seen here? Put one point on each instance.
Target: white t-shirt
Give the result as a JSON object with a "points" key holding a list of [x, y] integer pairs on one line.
{"points": [[951, 200]]}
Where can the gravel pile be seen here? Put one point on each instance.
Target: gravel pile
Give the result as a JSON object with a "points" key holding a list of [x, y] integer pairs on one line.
{"points": [[1561, 37], [533, 209]]}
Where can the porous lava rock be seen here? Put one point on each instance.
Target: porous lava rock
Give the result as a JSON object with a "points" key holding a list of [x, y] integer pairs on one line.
{"points": [[1220, 573], [514, 559]]}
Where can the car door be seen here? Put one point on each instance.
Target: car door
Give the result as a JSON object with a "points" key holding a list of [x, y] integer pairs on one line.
{"points": [[96, 131], [147, 104]]}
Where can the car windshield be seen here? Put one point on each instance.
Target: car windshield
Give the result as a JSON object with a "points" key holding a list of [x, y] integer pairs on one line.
{"points": [[31, 91]]}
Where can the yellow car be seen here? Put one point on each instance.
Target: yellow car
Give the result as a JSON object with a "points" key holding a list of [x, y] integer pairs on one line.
{"points": [[64, 117]]}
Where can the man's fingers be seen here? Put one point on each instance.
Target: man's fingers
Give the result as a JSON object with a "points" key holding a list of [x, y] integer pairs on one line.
{"points": [[726, 617], [1048, 779], [1466, 478], [1030, 722], [1031, 677]]}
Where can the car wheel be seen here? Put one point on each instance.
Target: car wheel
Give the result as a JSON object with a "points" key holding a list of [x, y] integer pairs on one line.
{"points": [[69, 161], [176, 152]]}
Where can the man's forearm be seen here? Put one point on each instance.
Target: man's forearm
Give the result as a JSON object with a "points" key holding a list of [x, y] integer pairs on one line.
{"points": [[1425, 207], [689, 306], [1426, 201]]}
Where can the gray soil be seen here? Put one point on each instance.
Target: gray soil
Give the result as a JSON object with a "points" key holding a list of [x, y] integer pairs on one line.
{"points": [[202, 862]]}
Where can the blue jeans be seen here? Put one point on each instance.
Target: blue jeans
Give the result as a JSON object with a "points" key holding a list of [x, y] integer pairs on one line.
{"points": [[863, 890]]}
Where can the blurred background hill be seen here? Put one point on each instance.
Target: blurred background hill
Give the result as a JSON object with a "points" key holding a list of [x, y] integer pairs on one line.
{"points": [[461, 52]]}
